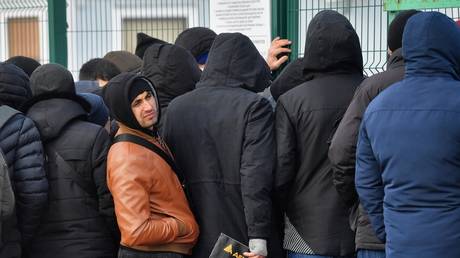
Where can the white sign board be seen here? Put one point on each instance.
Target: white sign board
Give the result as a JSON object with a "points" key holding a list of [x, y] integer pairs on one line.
{"points": [[250, 17]]}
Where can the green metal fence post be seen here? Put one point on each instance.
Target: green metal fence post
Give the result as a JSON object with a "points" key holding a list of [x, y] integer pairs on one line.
{"points": [[57, 24], [399, 5], [279, 25], [293, 26]]}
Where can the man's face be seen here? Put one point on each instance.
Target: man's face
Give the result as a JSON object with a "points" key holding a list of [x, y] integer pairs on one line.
{"points": [[145, 109]]}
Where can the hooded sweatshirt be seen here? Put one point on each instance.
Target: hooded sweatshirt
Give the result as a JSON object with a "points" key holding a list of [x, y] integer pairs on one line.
{"points": [[222, 137]]}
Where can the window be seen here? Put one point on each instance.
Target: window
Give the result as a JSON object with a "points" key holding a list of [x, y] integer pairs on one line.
{"points": [[23, 37]]}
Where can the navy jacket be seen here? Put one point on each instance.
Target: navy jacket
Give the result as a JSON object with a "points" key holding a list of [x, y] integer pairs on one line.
{"points": [[21, 145], [408, 156]]}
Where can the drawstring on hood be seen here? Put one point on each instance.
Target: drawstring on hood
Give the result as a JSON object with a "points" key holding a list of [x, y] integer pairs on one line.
{"points": [[117, 98]]}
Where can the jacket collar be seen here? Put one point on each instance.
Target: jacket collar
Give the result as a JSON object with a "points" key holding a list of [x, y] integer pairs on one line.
{"points": [[127, 130], [396, 59]]}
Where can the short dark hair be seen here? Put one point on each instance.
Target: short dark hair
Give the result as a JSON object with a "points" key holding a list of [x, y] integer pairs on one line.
{"points": [[98, 68]]}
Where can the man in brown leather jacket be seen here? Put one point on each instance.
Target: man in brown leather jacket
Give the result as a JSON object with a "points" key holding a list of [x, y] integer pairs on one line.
{"points": [[151, 208]]}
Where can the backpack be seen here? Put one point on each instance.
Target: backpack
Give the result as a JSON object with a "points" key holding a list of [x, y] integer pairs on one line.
{"points": [[7, 201]]}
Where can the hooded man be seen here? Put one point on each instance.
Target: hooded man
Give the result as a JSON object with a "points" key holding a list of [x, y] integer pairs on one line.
{"points": [[198, 41], [222, 136], [306, 116], [23, 153], [79, 220], [343, 147], [407, 158], [173, 71], [152, 211]]}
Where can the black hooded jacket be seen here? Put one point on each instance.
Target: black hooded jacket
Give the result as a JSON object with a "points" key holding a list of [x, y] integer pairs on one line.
{"points": [[23, 152], [306, 117], [291, 76], [342, 151], [222, 137], [172, 70], [77, 223]]}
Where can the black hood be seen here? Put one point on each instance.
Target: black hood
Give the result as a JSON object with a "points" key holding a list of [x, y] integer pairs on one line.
{"points": [[144, 41], [52, 81], [116, 97], [235, 62], [172, 70], [291, 76], [51, 115], [14, 86], [197, 40], [332, 45]]}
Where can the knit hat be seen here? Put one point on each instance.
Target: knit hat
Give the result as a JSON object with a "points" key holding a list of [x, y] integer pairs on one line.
{"points": [[27, 64], [198, 41], [396, 29], [138, 87], [125, 61], [144, 41]]}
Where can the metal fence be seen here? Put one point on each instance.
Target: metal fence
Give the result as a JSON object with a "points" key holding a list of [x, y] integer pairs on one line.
{"points": [[95, 27], [369, 19]]}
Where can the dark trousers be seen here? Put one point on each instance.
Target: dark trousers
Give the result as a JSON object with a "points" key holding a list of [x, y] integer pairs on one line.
{"points": [[124, 252]]}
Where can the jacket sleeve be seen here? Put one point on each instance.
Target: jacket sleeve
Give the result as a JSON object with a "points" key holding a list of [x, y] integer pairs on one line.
{"points": [[286, 154], [369, 183], [256, 171], [131, 195], [342, 152], [29, 180], [99, 165]]}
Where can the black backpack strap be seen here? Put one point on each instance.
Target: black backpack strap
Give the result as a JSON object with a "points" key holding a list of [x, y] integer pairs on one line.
{"points": [[78, 179], [143, 142]]}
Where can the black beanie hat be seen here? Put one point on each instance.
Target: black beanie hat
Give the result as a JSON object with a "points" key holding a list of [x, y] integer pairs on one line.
{"points": [[139, 86], [27, 64], [144, 41], [117, 96], [396, 29]]}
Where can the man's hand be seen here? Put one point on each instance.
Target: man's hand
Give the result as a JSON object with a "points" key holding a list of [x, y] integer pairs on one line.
{"points": [[278, 46], [252, 255]]}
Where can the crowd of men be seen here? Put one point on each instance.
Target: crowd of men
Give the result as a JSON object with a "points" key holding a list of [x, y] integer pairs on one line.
{"points": [[155, 154]]}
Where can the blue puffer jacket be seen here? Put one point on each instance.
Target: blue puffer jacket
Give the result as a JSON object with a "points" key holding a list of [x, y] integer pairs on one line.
{"points": [[408, 155], [20, 142]]}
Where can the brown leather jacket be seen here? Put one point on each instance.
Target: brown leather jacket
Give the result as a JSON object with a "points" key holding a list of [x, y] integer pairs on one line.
{"points": [[150, 204]]}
